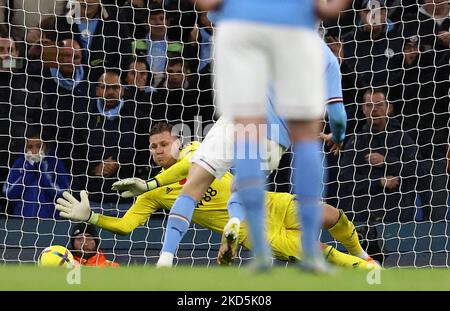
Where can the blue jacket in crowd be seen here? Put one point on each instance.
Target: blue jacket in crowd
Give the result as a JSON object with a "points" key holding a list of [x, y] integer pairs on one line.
{"points": [[34, 188]]}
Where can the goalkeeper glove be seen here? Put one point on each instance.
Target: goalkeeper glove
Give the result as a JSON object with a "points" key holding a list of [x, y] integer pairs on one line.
{"points": [[72, 209], [134, 186]]}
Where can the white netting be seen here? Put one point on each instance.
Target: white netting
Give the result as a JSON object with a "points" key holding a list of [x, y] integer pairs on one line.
{"points": [[161, 54]]}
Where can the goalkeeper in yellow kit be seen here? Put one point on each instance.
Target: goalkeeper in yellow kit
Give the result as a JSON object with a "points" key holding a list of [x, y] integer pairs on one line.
{"points": [[211, 211]]}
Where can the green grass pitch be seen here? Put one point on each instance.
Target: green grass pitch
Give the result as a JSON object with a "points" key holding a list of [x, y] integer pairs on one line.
{"points": [[30, 277]]}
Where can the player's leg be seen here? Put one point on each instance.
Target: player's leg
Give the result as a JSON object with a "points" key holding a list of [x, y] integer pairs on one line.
{"points": [[180, 215], [274, 153], [278, 136], [230, 235], [286, 245], [338, 258], [291, 247], [277, 143], [242, 79], [212, 159], [236, 212], [343, 231], [308, 179], [300, 98], [250, 185]]}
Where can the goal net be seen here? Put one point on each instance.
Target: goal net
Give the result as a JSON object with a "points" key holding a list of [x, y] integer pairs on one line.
{"points": [[82, 82]]}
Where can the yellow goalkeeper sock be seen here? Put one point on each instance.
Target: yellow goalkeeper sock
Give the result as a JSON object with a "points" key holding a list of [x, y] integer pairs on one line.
{"points": [[345, 260], [344, 232]]}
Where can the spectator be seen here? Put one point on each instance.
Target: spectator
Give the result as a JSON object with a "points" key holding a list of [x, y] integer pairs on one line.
{"points": [[157, 43], [412, 94], [26, 14], [21, 103], [138, 74], [134, 13], [42, 48], [104, 41], [158, 46], [66, 92], [138, 85], [378, 166], [110, 143], [36, 179], [185, 103], [442, 113], [419, 97], [84, 242], [400, 8], [177, 75], [40, 35], [373, 50], [203, 34], [431, 24], [181, 16]]}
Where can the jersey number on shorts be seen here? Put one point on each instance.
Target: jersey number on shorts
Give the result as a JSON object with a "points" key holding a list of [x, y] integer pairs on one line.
{"points": [[210, 193]]}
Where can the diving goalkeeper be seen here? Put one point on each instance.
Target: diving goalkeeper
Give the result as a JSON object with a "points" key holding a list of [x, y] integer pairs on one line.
{"points": [[211, 211], [214, 157]]}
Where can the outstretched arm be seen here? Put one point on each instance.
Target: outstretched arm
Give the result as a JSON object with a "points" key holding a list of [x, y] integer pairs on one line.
{"points": [[135, 186], [137, 215]]}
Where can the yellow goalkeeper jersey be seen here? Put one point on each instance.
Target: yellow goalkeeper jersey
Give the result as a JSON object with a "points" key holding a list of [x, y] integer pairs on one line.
{"points": [[211, 211]]}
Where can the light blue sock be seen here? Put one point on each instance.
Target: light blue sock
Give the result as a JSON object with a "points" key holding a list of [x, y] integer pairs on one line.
{"points": [[235, 208], [179, 219], [250, 189], [308, 177]]}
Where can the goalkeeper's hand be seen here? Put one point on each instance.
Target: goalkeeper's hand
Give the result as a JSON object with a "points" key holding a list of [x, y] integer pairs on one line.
{"points": [[134, 186], [72, 209]]}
